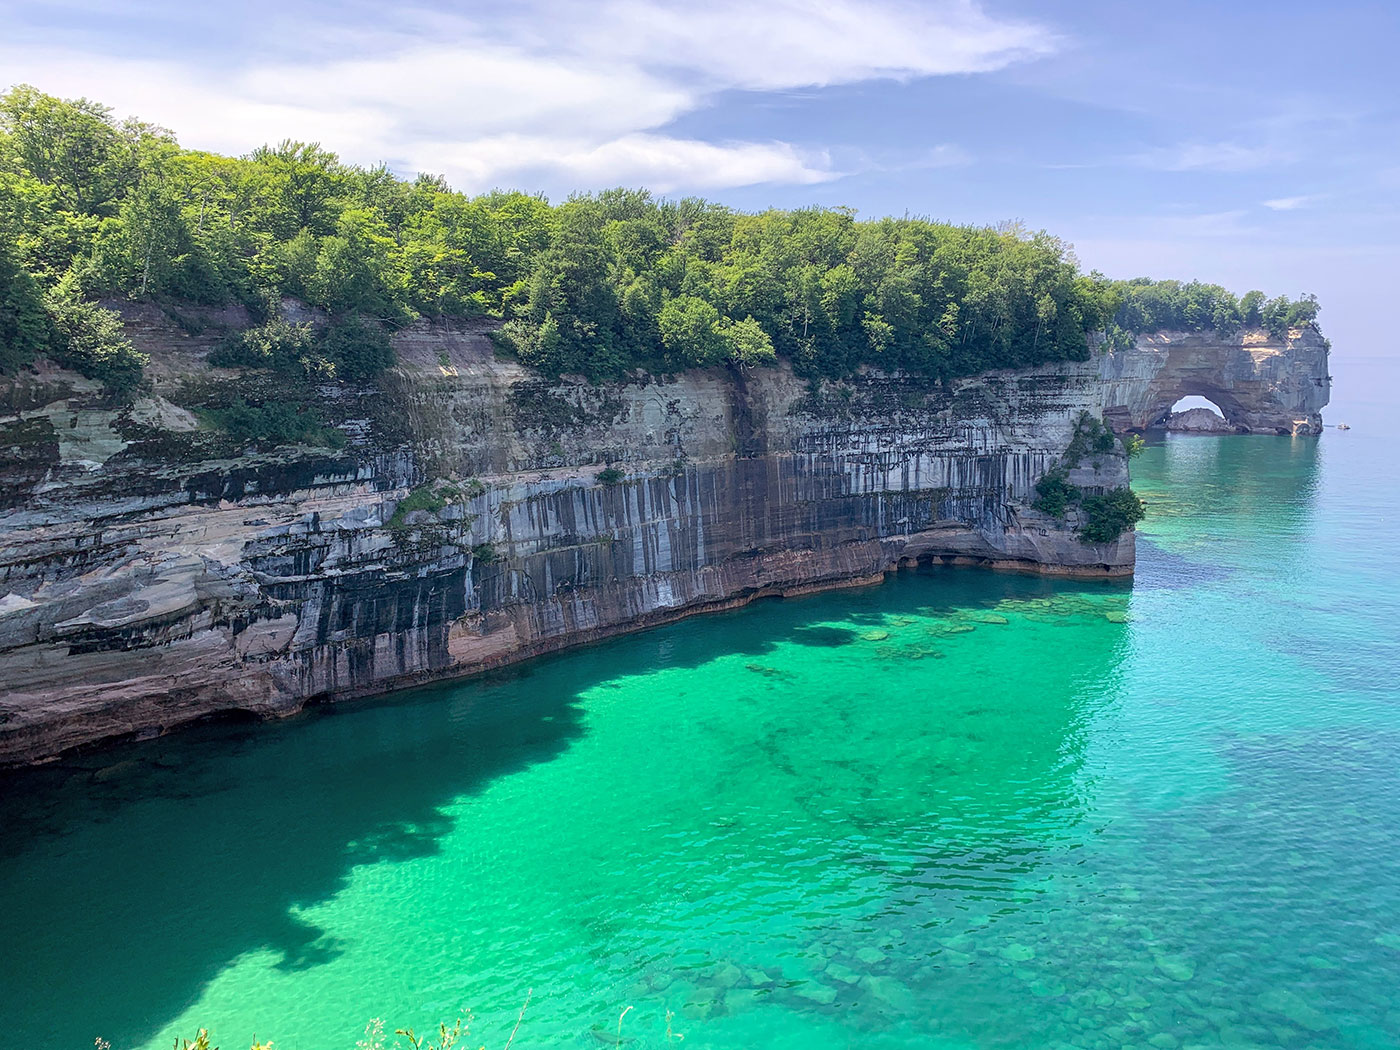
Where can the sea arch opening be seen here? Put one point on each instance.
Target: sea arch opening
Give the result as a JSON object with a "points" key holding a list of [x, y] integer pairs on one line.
{"points": [[1197, 407]]}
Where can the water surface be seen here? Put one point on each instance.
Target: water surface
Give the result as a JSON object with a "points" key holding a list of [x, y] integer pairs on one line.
{"points": [[962, 809]]}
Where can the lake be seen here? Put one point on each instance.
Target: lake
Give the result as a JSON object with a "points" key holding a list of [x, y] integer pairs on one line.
{"points": [[961, 809]]}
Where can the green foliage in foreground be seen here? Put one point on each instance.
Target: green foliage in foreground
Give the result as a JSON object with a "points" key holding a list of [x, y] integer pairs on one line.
{"points": [[93, 208], [448, 1037]]}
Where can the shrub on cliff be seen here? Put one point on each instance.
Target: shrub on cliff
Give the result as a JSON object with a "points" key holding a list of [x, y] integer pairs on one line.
{"points": [[25, 330], [76, 334], [351, 349], [1110, 515], [90, 340], [272, 423], [1054, 493]]}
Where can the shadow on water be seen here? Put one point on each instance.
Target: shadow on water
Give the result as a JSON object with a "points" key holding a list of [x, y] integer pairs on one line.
{"points": [[132, 878]]}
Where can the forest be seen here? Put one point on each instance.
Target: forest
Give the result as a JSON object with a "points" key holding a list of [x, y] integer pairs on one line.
{"points": [[94, 210]]}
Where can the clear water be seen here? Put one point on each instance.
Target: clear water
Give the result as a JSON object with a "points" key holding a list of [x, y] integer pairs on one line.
{"points": [[962, 809]]}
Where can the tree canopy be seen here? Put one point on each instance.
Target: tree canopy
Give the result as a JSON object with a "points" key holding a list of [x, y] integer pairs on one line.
{"points": [[93, 208]]}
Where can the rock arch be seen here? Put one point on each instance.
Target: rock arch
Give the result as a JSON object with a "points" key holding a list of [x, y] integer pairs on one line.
{"points": [[1262, 384]]}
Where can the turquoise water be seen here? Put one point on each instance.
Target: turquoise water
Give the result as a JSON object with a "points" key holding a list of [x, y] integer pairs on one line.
{"points": [[962, 809]]}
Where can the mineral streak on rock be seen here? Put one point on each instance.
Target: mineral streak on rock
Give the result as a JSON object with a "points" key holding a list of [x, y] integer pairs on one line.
{"points": [[149, 581]]}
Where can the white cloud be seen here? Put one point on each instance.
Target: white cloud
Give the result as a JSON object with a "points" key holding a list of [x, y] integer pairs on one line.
{"points": [[583, 91], [1205, 224], [781, 44], [1212, 156], [659, 162], [1287, 203]]}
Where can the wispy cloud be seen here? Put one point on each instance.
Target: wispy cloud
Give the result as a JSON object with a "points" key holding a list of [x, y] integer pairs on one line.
{"points": [[1288, 203], [540, 87], [1212, 156]]}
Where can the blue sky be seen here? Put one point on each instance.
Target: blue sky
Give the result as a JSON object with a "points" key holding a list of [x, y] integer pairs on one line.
{"points": [[1252, 143]]}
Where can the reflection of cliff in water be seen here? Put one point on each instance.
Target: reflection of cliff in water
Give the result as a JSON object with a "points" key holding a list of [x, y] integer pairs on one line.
{"points": [[1198, 488]]}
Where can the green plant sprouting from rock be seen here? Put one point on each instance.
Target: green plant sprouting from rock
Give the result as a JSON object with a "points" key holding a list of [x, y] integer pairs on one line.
{"points": [[1110, 515], [1107, 515]]}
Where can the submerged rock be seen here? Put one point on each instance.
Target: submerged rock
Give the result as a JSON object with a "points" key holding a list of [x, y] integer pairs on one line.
{"points": [[816, 992], [844, 974], [1290, 1004], [892, 993], [727, 975], [1177, 967]]}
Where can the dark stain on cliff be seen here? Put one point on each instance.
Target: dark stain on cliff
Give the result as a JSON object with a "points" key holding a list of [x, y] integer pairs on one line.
{"points": [[28, 452]]}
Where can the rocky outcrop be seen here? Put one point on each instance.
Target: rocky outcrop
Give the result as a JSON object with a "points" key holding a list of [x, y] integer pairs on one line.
{"points": [[478, 515], [1198, 421], [1262, 384]]}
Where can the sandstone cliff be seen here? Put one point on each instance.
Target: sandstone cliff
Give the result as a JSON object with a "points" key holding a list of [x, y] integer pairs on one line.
{"points": [[151, 576], [1263, 384]]}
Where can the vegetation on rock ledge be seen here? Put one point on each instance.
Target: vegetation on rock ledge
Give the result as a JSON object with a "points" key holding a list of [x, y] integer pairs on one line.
{"points": [[92, 208], [1108, 515]]}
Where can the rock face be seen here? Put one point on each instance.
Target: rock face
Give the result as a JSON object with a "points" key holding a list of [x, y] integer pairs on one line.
{"points": [[1198, 421], [151, 577], [1263, 385]]}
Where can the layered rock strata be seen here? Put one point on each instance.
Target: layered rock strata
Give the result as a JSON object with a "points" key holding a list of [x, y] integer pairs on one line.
{"points": [[152, 576], [1263, 384]]}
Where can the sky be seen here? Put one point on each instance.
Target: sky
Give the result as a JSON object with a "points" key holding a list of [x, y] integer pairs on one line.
{"points": [[1255, 143]]}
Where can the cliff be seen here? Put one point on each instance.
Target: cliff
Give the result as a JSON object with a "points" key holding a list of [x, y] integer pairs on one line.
{"points": [[152, 576], [1262, 383]]}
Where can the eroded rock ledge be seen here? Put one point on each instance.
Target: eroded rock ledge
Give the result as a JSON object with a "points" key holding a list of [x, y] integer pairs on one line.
{"points": [[148, 582]]}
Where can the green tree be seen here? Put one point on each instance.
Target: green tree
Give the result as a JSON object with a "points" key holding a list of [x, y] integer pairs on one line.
{"points": [[70, 145], [90, 340], [25, 330], [690, 331]]}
